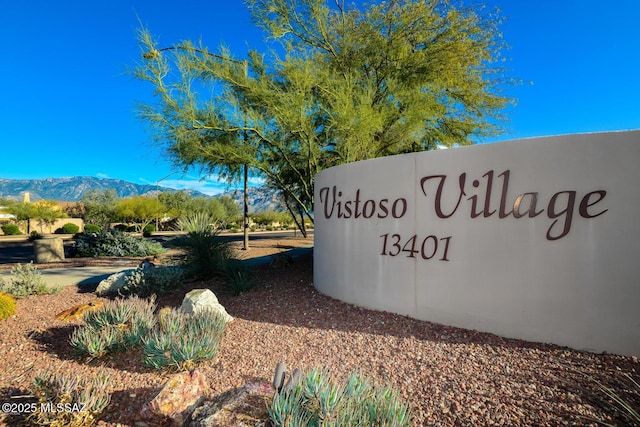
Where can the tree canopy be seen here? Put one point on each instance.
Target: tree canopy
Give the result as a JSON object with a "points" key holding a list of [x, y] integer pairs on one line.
{"points": [[346, 84]]}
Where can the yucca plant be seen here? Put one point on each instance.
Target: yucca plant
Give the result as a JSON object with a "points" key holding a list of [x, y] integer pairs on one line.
{"points": [[68, 400], [315, 400], [206, 253]]}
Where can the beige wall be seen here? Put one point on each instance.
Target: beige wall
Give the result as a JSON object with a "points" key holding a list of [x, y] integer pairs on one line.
{"points": [[533, 239], [59, 223]]}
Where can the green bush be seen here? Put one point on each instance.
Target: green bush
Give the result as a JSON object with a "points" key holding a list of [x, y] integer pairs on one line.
{"points": [[91, 228], [34, 236], [116, 244], [68, 228], [117, 326], [69, 400], [121, 227], [7, 305], [152, 281], [180, 340], [26, 280], [148, 229], [314, 400], [11, 230], [205, 252]]}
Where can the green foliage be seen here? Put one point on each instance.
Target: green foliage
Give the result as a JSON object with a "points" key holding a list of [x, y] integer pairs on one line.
{"points": [[68, 228], [27, 280], [355, 82], [91, 228], [69, 400], [100, 207], [11, 230], [148, 229], [317, 401], [140, 210], [160, 280], [180, 340], [117, 326], [34, 235], [205, 253], [116, 244], [237, 279], [180, 203], [7, 305]]}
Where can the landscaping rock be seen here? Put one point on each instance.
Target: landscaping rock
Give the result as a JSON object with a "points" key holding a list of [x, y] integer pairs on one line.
{"points": [[113, 283], [202, 299], [176, 400], [77, 311], [244, 406]]}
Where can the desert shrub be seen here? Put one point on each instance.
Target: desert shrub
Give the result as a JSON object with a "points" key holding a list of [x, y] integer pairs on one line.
{"points": [[117, 326], [91, 228], [34, 235], [121, 227], [68, 228], [69, 400], [116, 244], [11, 229], [315, 400], [145, 282], [237, 279], [7, 305], [180, 341], [148, 229], [26, 280], [205, 252]]}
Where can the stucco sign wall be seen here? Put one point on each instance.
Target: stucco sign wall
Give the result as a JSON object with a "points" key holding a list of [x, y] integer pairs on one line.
{"points": [[536, 239]]}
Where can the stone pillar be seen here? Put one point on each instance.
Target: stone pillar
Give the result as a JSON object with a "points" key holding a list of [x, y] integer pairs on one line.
{"points": [[48, 250]]}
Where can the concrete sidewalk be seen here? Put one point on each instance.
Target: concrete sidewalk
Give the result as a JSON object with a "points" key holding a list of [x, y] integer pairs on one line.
{"points": [[83, 276], [69, 276]]}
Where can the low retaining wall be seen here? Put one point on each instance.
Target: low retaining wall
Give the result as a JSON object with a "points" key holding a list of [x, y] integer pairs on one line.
{"points": [[534, 239]]}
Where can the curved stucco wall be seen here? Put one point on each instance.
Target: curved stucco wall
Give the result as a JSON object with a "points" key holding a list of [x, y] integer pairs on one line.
{"points": [[535, 239]]}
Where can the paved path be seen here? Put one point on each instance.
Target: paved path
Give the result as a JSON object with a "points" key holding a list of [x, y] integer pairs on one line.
{"points": [[71, 275], [82, 276]]}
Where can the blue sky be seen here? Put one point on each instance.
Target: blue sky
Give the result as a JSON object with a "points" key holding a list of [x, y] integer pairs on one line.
{"points": [[68, 104]]}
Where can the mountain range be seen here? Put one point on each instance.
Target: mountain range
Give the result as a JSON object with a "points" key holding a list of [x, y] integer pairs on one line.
{"points": [[71, 189]]}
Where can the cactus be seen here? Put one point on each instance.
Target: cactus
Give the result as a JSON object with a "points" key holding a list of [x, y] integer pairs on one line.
{"points": [[7, 305]]}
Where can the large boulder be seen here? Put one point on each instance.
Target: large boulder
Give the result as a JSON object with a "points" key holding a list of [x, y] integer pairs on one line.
{"points": [[113, 283], [177, 399], [203, 299], [244, 406]]}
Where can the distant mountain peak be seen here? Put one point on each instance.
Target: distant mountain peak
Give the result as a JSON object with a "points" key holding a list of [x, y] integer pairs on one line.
{"points": [[71, 189]]}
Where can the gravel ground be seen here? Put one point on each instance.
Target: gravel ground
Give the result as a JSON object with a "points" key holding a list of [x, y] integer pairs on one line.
{"points": [[449, 376]]}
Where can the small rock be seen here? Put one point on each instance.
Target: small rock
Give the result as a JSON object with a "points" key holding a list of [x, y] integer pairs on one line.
{"points": [[202, 299], [113, 283], [244, 406], [176, 400]]}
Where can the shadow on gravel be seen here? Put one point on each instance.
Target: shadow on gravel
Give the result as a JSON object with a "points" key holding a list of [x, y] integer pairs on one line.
{"points": [[55, 341], [120, 410]]}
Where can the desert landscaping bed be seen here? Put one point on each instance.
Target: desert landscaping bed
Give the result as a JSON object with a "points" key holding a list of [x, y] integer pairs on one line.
{"points": [[449, 376]]}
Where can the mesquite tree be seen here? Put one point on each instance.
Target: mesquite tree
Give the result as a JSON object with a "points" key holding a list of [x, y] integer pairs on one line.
{"points": [[348, 84]]}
